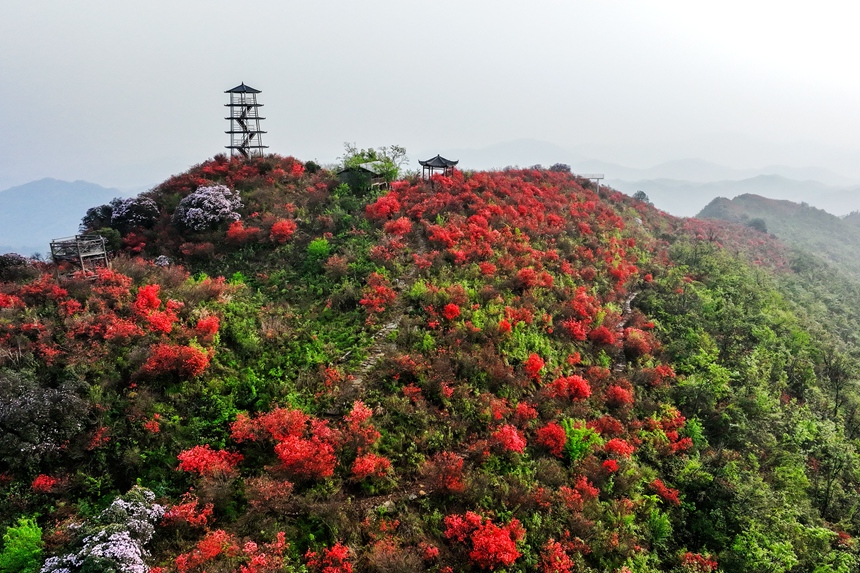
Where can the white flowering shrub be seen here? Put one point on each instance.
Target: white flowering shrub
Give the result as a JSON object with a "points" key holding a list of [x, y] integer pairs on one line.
{"points": [[114, 541], [206, 207], [133, 212]]}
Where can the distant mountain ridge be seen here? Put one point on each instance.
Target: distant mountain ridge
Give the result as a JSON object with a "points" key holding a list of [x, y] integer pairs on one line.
{"points": [[828, 236], [686, 198], [34, 213]]}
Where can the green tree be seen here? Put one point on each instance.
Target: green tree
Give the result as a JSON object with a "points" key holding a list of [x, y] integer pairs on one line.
{"points": [[387, 159], [22, 547]]}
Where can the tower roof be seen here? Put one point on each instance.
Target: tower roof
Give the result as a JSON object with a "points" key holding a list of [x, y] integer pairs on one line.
{"points": [[242, 89]]}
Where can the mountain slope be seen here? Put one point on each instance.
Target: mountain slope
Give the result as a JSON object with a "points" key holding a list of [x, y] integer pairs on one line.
{"points": [[808, 228], [492, 371]]}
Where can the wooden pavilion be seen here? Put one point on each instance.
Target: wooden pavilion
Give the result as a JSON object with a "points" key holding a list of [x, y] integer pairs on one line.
{"points": [[438, 163]]}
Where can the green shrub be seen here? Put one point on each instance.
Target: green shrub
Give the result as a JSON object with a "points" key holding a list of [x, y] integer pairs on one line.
{"points": [[22, 547], [579, 438]]}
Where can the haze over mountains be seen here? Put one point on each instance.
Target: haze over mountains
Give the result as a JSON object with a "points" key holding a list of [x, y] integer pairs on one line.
{"points": [[34, 213], [683, 187]]}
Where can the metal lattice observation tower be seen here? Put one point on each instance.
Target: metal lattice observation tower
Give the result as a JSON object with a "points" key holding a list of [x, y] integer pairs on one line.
{"points": [[245, 134]]}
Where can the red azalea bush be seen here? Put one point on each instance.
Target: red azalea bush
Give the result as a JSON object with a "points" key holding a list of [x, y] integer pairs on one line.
{"points": [[186, 361], [369, 465], [282, 231], [491, 546], [330, 560], [205, 461], [444, 473], [533, 365], [510, 439], [44, 483], [573, 387], [618, 447], [552, 437]]}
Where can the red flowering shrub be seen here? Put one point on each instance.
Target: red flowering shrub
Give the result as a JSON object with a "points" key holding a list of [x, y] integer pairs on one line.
{"points": [[552, 437], [330, 560], [602, 335], [238, 233], [618, 397], [571, 387], [491, 546], [533, 366], [697, 563], [282, 231], [451, 311], [577, 329], [188, 512], [606, 425], [510, 439], [553, 558], [306, 458], [524, 413], [186, 361], [667, 493], [377, 294], [359, 431], [44, 483], [618, 447], [278, 424], [370, 465], [11, 301], [207, 328], [401, 226], [504, 326], [610, 466], [152, 426], [383, 208], [268, 494], [444, 473], [214, 544], [636, 343], [205, 461]]}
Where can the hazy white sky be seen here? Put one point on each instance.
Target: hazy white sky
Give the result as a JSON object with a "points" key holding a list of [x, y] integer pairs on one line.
{"points": [[126, 93]]}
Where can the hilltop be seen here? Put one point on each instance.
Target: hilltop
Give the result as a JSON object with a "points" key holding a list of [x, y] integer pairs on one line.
{"points": [[489, 371]]}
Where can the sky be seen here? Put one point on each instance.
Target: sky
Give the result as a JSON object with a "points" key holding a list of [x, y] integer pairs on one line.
{"points": [[125, 94]]}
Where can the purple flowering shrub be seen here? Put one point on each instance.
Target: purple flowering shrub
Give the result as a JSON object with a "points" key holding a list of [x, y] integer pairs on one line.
{"points": [[114, 541], [206, 207], [133, 212]]}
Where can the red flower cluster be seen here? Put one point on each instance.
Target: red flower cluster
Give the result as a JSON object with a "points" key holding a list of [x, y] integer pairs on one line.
{"points": [[282, 231], [186, 361], [533, 365], [370, 465], [552, 437], [330, 560], [44, 483], [510, 439], [188, 512], [451, 311], [377, 294], [667, 493], [571, 387], [618, 447], [491, 546], [444, 473], [698, 563], [207, 462]]}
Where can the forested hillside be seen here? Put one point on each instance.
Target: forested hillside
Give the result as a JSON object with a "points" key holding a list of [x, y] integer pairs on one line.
{"points": [[834, 239], [499, 371]]}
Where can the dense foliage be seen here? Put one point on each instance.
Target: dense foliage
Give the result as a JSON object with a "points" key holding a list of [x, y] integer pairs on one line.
{"points": [[489, 371]]}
